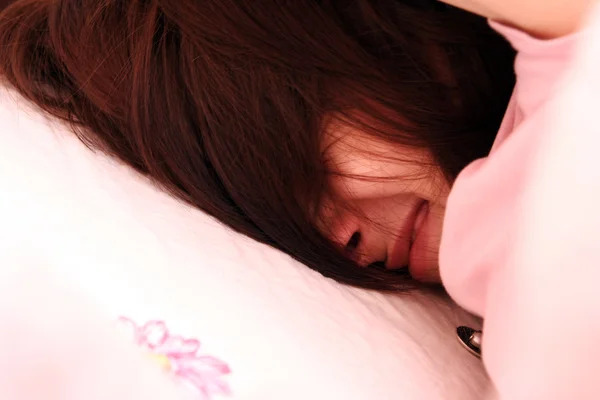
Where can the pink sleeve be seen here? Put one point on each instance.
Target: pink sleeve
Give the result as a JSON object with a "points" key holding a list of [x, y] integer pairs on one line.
{"points": [[520, 245], [482, 204], [538, 66]]}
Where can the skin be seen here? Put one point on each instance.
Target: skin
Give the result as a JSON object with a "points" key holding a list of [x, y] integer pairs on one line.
{"points": [[379, 188], [545, 19], [394, 196]]}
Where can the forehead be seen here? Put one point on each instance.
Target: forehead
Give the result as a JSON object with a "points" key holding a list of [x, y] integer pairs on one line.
{"points": [[362, 165]]}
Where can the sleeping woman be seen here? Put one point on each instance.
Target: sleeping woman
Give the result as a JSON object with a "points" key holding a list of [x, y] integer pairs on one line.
{"points": [[382, 143]]}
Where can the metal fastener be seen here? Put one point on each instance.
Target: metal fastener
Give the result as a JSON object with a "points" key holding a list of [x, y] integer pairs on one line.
{"points": [[470, 339]]}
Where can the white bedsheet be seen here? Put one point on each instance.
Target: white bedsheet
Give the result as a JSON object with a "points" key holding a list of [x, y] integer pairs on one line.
{"points": [[284, 331]]}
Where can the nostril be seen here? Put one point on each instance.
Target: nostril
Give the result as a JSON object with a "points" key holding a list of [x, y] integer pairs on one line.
{"points": [[353, 243]]}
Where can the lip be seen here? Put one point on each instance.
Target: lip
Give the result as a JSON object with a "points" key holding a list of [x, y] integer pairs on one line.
{"points": [[400, 251]]}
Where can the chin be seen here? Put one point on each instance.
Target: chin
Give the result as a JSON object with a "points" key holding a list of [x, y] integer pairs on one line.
{"points": [[426, 272]]}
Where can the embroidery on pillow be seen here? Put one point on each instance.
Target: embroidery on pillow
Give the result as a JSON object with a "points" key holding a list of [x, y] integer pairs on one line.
{"points": [[181, 358]]}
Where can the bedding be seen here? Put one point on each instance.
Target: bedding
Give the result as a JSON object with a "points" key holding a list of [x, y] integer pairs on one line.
{"points": [[215, 312]]}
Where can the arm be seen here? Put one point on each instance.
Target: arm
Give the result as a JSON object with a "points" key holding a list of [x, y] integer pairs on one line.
{"points": [[542, 18], [528, 259], [543, 308]]}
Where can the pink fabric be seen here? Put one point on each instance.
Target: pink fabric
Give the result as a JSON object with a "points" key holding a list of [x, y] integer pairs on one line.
{"points": [[520, 242]]}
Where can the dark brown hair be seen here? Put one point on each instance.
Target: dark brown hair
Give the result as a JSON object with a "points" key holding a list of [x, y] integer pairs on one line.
{"points": [[221, 102]]}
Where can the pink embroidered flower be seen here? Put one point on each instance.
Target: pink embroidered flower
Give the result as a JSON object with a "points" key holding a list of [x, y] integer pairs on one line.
{"points": [[180, 356]]}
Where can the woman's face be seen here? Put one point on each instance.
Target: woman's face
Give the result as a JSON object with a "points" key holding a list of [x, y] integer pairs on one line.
{"points": [[392, 202]]}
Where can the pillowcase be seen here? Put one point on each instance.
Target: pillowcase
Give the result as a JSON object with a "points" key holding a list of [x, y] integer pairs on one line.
{"points": [[216, 312]]}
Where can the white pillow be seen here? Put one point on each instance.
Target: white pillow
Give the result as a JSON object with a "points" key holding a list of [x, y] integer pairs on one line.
{"points": [[284, 331]]}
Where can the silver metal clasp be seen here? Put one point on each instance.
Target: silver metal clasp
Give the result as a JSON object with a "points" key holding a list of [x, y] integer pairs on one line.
{"points": [[470, 339]]}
